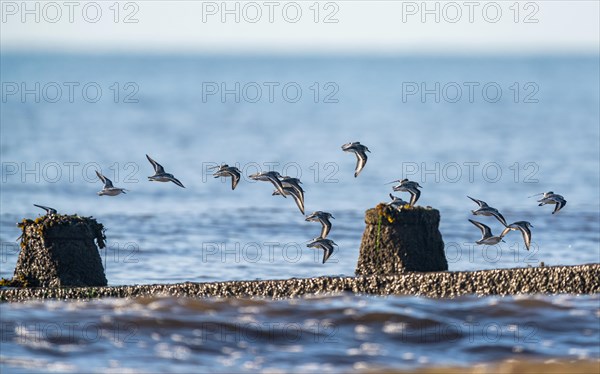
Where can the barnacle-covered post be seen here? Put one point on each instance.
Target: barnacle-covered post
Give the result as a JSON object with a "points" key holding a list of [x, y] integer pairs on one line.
{"points": [[60, 250], [395, 241]]}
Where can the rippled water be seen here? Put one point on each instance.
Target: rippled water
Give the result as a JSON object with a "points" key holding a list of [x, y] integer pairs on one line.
{"points": [[314, 334], [500, 152]]}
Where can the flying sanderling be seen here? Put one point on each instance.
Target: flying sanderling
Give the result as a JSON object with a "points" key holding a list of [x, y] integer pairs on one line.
{"points": [[486, 210], [160, 175], [228, 171], [361, 157], [109, 189], [552, 198]]}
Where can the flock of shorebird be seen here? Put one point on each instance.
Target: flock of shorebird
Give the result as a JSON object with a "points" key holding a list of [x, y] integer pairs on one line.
{"points": [[288, 186], [487, 238], [524, 226]]}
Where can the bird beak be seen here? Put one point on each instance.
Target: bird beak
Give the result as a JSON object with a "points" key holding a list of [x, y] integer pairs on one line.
{"points": [[396, 181]]}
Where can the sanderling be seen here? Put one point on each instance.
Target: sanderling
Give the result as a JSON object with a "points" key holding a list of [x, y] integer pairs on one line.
{"points": [[109, 189], [292, 191], [486, 234], [270, 176], [522, 226], [360, 152], [323, 218], [160, 175], [552, 198], [48, 210], [228, 171], [397, 202], [410, 187], [324, 244], [486, 210]]}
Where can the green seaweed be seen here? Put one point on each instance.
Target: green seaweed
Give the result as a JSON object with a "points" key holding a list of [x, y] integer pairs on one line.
{"points": [[19, 282]]}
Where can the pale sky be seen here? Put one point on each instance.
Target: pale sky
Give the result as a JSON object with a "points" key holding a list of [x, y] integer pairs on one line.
{"points": [[303, 26]]}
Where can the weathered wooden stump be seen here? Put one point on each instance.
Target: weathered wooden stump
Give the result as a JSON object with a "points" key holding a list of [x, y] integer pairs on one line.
{"points": [[398, 241], [59, 250]]}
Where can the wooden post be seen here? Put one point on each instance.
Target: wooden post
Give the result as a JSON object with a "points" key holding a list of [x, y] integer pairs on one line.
{"points": [[398, 241]]}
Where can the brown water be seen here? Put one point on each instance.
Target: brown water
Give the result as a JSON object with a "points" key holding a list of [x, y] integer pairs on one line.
{"points": [[335, 333]]}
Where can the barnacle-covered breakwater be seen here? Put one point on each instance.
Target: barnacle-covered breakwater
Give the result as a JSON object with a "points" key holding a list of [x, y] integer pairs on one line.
{"points": [[579, 279], [59, 256]]}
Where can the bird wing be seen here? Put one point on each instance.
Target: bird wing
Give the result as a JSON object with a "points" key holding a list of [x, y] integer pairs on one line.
{"points": [[415, 194], [158, 169], [526, 235], [311, 217], [499, 217], [481, 203], [299, 202], [559, 205], [101, 177], [176, 181], [326, 227], [327, 246], [486, 232], [107, 182], [235, 178], [361, 161], [277, 183], [327, 251], [293, 183], [46, 208]]}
